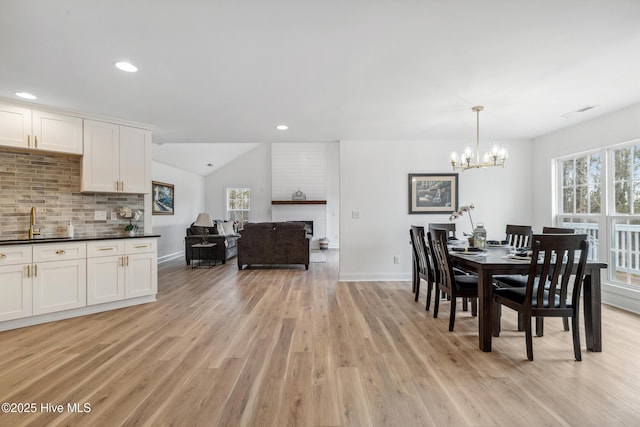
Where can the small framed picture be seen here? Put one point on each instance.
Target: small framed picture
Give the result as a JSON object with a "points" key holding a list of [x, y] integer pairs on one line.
{"points": [[163, 198], [431, 193]]}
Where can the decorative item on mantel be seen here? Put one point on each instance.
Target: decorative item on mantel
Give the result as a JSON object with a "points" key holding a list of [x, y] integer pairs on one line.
{"points": [[298, 195], [131, 215]]}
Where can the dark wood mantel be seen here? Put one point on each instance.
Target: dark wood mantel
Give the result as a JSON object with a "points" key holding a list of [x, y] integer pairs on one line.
{"points": [[298, 202]]}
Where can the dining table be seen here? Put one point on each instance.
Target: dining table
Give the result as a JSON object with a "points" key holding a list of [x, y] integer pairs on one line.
{"points": [[500, 260]]}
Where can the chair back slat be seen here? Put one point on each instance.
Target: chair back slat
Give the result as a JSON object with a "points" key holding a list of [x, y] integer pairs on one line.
{"points": [[518, 236], [551, 271], [450, 227], [447, 278], [419, 248]]}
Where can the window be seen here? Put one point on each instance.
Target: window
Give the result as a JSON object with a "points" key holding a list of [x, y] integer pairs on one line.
{"points": [[238, 204], [599, 195], [581, 197]]}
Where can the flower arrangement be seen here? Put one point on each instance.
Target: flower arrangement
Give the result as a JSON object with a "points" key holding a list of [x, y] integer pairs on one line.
{"points": [[460, 212], [132, 215]]}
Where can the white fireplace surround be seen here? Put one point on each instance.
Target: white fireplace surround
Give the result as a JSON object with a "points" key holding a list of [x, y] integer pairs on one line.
{"points": [[315, 213]]}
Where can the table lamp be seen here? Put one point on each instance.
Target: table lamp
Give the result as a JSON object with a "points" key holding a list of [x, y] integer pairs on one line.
{"points": [[204, 220]]}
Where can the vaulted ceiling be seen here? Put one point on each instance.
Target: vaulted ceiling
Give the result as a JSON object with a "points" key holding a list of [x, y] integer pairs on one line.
{"points": [[230, 71]]}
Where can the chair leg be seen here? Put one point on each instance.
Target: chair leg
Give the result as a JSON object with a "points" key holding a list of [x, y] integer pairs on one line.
{"points": [[565, 323], [465, 304], [539, 326], [436, 303], [452, 314], [528, 336], [497, 314], [576, 337], [520, 322], [416, 287], [474, 307], [429, 287]]}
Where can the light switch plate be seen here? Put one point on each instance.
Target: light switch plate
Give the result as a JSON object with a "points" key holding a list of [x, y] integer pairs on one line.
{"points": [[100, 215], [114, 216]]}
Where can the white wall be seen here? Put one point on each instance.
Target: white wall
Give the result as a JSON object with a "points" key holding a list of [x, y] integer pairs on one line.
{"points": [[614, 128], [374, 182], [189, 201], [251, 170]]}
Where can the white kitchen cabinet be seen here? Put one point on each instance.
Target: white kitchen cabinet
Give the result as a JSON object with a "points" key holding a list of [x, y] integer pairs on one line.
{"points": [[40, 130], [121, 269], [105, 271], [16, 286], [59, 273], [117, 159], [141, 272]]}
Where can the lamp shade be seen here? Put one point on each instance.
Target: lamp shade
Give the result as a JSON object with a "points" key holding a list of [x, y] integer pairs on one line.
{"points": [[204, 220]]}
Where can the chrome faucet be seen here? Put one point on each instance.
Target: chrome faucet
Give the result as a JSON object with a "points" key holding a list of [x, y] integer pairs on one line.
{"points": [[33, 231]]}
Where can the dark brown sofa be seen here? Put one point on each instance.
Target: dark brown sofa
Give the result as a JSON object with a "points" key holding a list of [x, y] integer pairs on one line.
{"points": [[226, 244], [273, 243]]}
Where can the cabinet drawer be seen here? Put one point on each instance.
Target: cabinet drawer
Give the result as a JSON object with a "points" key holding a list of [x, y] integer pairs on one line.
{"points": [[59, 251], [105, 248], [12, 255], [138, 246]]}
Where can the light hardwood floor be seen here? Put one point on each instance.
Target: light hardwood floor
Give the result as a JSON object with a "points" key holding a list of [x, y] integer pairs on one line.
{"points": [[289, 347]]}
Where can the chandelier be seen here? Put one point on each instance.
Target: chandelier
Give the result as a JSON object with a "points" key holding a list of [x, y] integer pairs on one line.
{"points": [[496, 157]]}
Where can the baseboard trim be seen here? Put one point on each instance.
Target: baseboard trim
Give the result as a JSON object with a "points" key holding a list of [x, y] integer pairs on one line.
{"points": [[76, 312], [170, 257]]}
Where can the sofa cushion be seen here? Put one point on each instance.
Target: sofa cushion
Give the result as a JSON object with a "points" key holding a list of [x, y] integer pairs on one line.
{"points": [[227, 226], [220, 229]]}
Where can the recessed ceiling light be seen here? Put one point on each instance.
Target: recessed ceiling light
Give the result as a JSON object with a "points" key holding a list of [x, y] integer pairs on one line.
{"points": [[126, 66], [26, 95], [282, 127]]}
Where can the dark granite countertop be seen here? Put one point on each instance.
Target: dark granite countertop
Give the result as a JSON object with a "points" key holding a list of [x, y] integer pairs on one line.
{"points": [[72, 239]]}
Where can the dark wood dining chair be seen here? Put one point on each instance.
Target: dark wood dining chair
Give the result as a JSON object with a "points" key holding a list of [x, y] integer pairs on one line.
{"points": [[553, 284], [452, 285], [557, 230], [449, 226], [421, 263], [520, 281], [518, 235]]}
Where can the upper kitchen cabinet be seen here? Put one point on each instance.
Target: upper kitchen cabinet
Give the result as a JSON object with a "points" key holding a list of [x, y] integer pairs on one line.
{"points": [[39, 130], [117, 159]]}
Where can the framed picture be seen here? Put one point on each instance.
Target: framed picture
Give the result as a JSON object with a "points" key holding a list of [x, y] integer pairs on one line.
{"points": [[162, 202], [432, 193]]}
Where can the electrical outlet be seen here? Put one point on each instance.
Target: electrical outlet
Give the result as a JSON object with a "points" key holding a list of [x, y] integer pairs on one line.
{"points": [[114, 216], [100, 215], [396, 259]]}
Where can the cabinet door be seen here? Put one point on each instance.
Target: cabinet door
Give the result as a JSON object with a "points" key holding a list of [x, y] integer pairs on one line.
{"points": [[141, 275], [15, 292], [15, 126], [57, 132], [59, 285], [105, 279], [135, 160], [101, 159]]}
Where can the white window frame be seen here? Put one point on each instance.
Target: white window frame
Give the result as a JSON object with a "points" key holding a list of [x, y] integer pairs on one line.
{"points": [[245, 212], [607, 217]]}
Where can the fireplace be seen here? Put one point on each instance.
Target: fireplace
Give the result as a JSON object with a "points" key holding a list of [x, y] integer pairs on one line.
{"points": [[309, 226]]}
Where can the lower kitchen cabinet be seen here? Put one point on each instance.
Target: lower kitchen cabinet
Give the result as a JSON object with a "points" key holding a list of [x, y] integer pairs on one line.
{"points": [[16, 289], [59, 285], [121, 269]]}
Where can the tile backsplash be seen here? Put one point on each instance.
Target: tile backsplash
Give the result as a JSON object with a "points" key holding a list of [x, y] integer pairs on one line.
{"points": [[51, 184]]}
